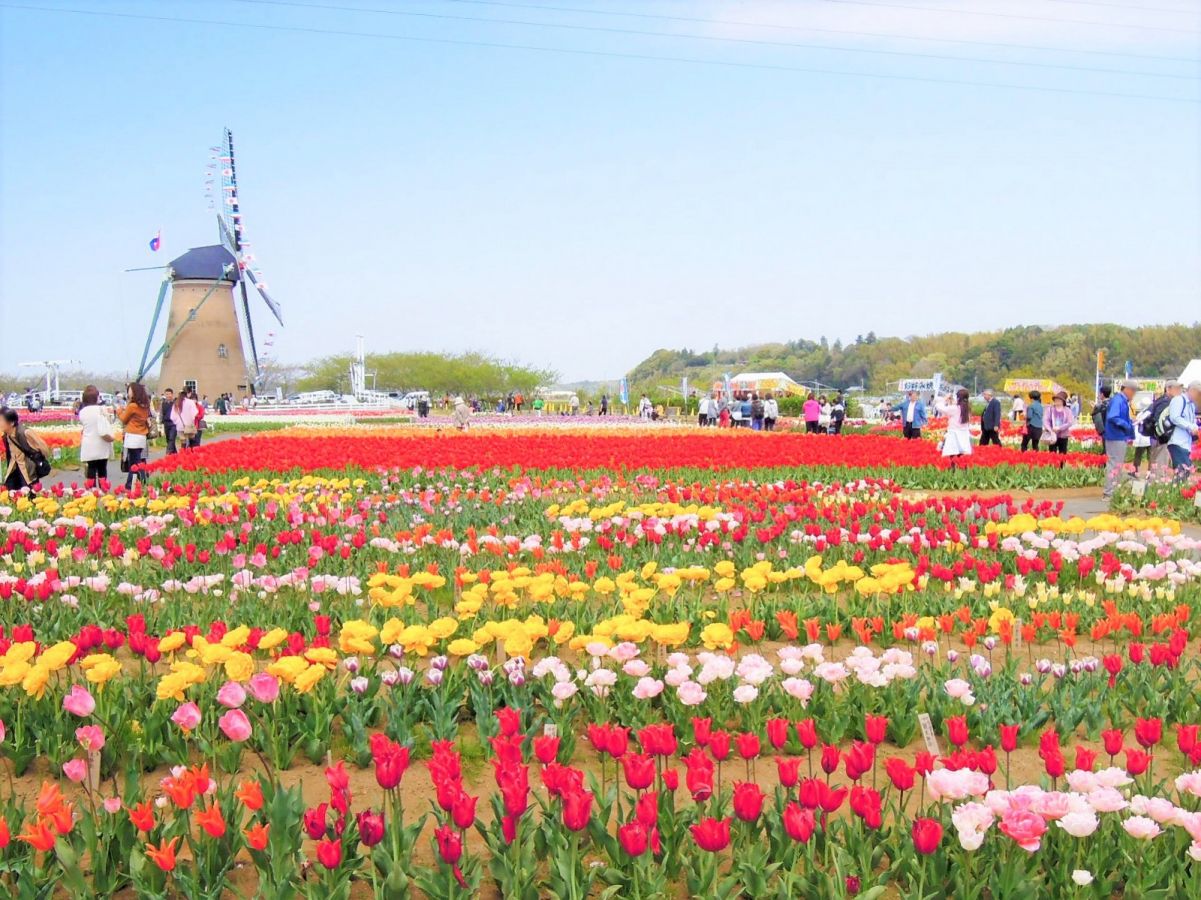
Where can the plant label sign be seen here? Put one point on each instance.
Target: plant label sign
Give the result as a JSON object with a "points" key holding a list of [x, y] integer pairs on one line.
{"points": [[550, 729], [923, 719], [1138, 488], [1197, 499], [1017, 634]]}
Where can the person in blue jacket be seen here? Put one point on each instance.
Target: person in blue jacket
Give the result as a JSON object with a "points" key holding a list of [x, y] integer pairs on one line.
{"points": [[913, 415], [1119, 431]]}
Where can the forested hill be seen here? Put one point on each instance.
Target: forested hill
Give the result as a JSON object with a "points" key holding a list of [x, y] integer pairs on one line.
{"points": [[1066, 353]]}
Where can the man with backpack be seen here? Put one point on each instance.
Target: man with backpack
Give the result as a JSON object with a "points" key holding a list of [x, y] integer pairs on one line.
{"points": [[1156, 426], [1182, 417]]}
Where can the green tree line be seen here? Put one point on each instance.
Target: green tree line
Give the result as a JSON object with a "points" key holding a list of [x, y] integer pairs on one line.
{"points": [[1065, 353], [465, 373]]}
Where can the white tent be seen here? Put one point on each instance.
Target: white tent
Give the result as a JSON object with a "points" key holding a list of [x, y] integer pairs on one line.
{"points": [[1191, 373], [764, 381]]}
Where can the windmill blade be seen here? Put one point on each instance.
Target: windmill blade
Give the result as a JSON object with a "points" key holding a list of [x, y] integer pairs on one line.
{"points": [[271, 304], [158, 309], [227, 239]]}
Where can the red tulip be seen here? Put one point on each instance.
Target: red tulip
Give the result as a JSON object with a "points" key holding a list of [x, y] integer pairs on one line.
{"points": [[798, 822], [860, 759], [462, 812], [634, 838], [509, 720], [1113, 665], [777, 732], [314, 821], [957, 730], [699, 774], [806, 730], [658, 740], [748, 745], [1137, 761], [1187, 737], [639, 770], [646, 809], [712, 835], [927, 834], [875, 728], [1085, 758], [830, 758], [1009, 737], [546, 749], [577, 809], [788, 769], [371, 827], [924, 762], [329, 853], [719, 745], [748, 800], [701, 728], [1114, 740], [902, 775], [450, 845], [1148, 732]]}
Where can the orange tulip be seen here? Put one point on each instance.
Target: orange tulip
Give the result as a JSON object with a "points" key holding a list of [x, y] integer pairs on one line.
{"points": [[163, 855], [38, 836], [211, 820], [250, 792], [142, 816], [256, 836]]}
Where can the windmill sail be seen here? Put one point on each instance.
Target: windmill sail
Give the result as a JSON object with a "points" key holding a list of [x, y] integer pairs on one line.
{"points": [[271, 304]]}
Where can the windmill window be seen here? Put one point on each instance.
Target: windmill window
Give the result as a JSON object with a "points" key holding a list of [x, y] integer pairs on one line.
{"points": [[222, 351]]}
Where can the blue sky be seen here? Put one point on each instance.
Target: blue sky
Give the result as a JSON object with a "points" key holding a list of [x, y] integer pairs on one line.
{"points": [[579, 210]]}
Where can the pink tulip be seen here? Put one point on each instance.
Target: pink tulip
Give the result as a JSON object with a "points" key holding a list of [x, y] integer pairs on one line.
{"points": [[1141, 827], [79, 701], [3, 731], [112, 804], [235, 725], [187, 716], [231, 695], [76, 770], [90, 737], [264, 688]]}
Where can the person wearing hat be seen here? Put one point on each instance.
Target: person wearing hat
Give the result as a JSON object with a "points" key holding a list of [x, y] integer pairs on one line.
{"points": [[1057, 427], [1119, 431], [1182, 415], [462, 414]]}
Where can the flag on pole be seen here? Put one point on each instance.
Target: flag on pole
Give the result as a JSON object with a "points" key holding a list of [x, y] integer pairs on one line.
{"points": [[624, 391], [156, 241]]}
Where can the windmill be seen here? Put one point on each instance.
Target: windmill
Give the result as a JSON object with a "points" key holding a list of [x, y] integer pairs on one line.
{"points": [[203, 348]]}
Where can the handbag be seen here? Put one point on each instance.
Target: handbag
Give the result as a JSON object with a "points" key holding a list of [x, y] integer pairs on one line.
{"points": [[125, 461]]}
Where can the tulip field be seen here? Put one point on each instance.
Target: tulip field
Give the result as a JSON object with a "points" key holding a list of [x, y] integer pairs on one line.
{"points": [[379, 662]]}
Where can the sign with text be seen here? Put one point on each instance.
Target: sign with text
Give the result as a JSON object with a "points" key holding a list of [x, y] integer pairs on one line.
{"points": [[921, 385], [923, 719]]}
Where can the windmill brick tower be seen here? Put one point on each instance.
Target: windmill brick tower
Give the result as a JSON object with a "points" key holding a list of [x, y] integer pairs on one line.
{"points": [[203, 348], [207, 355]]}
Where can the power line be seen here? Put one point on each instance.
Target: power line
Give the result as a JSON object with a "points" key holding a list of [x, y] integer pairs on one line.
{"points": [[1002, 15], [702, 37], [456, 42], [782, 27]]}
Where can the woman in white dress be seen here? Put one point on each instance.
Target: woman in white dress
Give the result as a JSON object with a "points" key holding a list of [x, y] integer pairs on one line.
{"points": [[96, 441], [958, 413]]}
